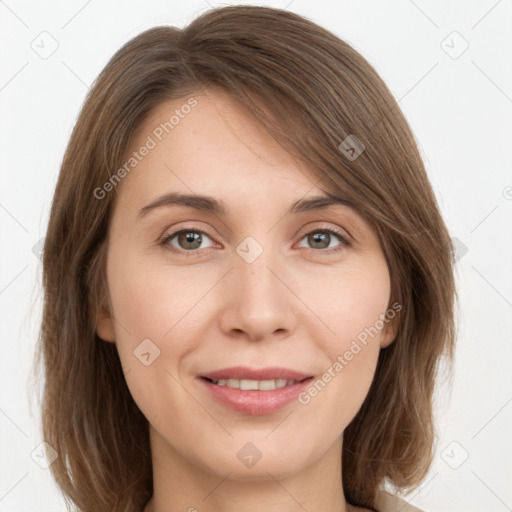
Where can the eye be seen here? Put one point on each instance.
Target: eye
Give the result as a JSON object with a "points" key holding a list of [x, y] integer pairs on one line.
{"points": [[190, 240], [321, 239], [187, 240]]}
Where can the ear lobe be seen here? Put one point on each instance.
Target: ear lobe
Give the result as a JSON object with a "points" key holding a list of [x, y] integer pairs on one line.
{"points": [[389, 331], [104, 325]]}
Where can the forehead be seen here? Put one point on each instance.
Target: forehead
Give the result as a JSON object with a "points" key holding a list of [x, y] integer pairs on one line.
{"points": [[208, 143], [215, 158]]}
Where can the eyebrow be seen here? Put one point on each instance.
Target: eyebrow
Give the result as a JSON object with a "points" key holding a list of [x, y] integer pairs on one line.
{"points": [[212, 205]]}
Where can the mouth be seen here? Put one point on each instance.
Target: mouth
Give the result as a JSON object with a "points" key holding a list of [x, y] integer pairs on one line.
{"points": [[245, 373], [256, 385], [253, 391]]}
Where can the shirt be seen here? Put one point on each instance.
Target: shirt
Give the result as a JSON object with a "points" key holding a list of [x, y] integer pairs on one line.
{"points": [[386, 502]]}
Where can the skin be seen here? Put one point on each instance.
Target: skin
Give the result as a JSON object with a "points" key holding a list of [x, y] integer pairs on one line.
{"points": [[295, 306]]}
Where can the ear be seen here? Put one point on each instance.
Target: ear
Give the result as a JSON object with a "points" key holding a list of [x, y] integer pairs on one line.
{"points": [[105, 325], [390, 330]]}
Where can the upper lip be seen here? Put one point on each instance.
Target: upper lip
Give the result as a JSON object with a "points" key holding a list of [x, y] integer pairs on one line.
{"points": [[246, 373]]}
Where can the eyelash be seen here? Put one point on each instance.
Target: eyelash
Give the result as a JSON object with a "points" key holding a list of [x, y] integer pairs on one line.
{"points": [[164, 242]]}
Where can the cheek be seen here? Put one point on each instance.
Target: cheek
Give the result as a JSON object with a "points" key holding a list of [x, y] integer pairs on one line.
{"points": [[150, 316], [139, 301], [143, 314], [149, 300], [155, 302], [352, 303]]}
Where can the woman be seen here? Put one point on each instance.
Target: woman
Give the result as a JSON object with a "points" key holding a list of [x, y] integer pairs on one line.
{"points": [[248, 283]]}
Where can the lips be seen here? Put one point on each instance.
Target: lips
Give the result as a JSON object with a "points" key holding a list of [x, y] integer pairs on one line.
{"points": [[254, 402], [246, 373], [266, 398]]}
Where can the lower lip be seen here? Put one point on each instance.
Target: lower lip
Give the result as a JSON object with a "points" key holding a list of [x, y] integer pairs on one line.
{"points": [[255, 402]]}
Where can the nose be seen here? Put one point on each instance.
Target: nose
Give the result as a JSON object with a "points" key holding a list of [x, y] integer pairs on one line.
{"points": [[259, 303]]}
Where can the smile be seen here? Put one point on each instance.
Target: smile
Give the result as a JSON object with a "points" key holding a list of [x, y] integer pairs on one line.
{"points": [[255, 385]]}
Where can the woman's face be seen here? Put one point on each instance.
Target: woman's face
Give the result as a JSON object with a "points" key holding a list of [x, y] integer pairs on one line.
{"points": [[250, 285]]}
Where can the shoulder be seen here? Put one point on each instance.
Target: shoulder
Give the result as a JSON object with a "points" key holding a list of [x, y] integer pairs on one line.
{"points": [[386, 502]]}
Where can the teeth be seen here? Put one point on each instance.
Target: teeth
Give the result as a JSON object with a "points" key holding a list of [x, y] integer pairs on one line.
{"points": [[261, 385]]}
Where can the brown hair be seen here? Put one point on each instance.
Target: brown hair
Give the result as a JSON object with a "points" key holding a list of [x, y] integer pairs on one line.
{"points": [[311, 91]]}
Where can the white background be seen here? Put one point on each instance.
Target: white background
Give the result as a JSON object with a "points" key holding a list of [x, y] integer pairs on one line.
{"points": [[460, 111]]}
